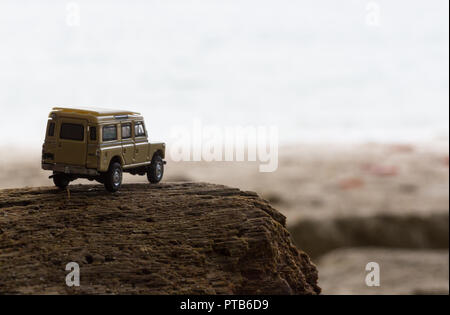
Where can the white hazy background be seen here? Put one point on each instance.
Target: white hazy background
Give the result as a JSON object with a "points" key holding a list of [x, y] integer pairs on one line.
{"points": [[320, 70]]}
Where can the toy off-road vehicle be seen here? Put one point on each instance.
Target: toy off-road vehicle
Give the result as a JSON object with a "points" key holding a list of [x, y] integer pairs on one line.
{"points": [[99, 145]]}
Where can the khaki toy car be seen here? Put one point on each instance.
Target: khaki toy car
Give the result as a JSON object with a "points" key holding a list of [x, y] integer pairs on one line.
{"points": [[99, 144]]}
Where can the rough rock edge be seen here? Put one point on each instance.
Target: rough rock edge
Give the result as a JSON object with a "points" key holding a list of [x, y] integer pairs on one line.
{"points": [[259, 257]]}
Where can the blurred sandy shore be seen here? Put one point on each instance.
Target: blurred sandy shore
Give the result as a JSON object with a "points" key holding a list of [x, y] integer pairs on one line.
{"points": [[392, 196], [315, 181], [311, 180], [401, 271]]}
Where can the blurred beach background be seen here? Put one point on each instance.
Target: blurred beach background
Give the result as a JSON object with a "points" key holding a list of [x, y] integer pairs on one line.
{"points": [[359, 91]]}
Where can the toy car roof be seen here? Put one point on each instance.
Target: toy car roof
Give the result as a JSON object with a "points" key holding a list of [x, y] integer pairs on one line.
{"points": [[98, 112]]}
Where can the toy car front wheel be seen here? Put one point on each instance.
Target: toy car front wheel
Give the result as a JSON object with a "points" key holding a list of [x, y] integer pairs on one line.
{"points": [[155, 170], [113, 177], [61, 181]]}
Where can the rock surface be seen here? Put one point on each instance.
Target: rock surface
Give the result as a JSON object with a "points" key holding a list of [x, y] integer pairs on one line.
{"points": [[189, 238]]}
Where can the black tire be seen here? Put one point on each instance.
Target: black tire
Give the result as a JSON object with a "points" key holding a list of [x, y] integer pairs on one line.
{"points": [[113, 177], [155, 171], [61, 181]]}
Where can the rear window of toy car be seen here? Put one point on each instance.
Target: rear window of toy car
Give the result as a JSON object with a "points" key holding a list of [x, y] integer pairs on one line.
{"points": [[72, 132]]}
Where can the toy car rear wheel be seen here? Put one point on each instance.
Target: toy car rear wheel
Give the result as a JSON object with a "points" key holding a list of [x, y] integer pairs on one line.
{"points": [[61, 181], [155, 171], [113, 177]]}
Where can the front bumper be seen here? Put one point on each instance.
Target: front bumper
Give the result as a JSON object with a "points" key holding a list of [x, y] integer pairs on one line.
{"points": [[69, 169]]}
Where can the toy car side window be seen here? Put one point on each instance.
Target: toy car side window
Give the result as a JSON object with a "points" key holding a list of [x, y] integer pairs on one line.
{"points": [[51, 129], [93, 133], [110, 133], [126, 131], [72, 132], [139, 130]]}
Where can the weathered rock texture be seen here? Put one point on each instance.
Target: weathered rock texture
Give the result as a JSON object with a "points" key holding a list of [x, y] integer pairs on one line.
{"points": [[153, 239]]}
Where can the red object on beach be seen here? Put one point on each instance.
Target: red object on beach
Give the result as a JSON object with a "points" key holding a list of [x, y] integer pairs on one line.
{"points": [[384, 170], [380, 170], [402, 148], [351, 183], [445, 161]]}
